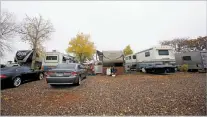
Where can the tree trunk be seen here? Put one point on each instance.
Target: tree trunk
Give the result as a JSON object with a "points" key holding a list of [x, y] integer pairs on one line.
{"points": [[34, 56]]}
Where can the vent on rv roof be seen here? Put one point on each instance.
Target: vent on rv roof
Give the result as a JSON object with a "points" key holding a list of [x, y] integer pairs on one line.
{"points": [[54, 51]]}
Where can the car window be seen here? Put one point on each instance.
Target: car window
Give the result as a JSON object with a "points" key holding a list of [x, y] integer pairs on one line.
{"points": [[27, 69], [66, 66], [9, 69], [21, 69]]}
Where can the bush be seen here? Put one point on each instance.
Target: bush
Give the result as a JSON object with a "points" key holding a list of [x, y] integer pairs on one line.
{"points": [[183, 68]]}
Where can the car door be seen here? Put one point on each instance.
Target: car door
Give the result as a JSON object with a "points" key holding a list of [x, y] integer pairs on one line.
{"points": [[30, 74], [20, 71]]}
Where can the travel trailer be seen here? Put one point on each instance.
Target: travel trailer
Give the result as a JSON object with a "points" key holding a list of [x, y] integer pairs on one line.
{"points": [[113, 58], [24, 57], [52, 59], [130, 62], [159, 59], [196, 60]]}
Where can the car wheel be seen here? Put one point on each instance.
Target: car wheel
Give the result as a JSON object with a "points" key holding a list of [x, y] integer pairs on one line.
{"points": [[79, 81], [17, 82], [41, 76], [52, 85]]}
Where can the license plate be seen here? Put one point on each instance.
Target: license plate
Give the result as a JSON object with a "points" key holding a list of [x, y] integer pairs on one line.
{"points": [[59, 74]]}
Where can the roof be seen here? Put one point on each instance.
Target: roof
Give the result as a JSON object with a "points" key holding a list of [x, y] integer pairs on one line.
{"points": [[112, 54], [144, 50], [153, 48]]}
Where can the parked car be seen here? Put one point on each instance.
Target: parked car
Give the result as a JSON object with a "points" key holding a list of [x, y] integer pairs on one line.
{"points": [[66, 73], [16, 75]]}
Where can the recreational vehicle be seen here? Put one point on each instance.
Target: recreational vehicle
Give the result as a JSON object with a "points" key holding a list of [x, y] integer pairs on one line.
{"points": [[196, 60], [113, 58], [52, 59], [130, 62], [24, 57], [159, 59]]}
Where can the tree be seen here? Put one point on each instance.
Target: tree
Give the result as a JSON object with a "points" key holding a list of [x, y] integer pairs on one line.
{"points": [[198, 44], [81, 47], [128, 50], [35, 31], [7, 30], [178, 44], [185, 44]]}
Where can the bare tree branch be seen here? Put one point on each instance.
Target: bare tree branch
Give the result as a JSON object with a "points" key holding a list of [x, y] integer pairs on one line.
{"points": [[35, 30], [7, 31]]}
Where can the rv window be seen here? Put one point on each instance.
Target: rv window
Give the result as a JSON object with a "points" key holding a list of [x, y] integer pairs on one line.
{"points": [[129, 57], [51, 58], [186, 58], [134, 56], [163, 52], [147, 54], [126, 58]]}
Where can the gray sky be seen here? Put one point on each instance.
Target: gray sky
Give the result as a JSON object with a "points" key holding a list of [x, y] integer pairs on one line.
{"points": [[113, 25]]}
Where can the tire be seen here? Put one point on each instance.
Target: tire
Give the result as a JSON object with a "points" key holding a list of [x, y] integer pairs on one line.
{"points": [[79, 81], [41, 76], [52, 85], [16, 82]]}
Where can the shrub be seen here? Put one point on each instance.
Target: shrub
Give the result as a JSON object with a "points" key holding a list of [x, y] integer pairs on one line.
{"points": [[184, 68]]}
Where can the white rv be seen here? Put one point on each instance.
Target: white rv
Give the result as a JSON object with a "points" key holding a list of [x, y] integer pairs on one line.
{"points": [[130, 62], [159, 59], [52, 59]]}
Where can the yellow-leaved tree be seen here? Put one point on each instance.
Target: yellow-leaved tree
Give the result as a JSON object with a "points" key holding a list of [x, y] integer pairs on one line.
{"points": [[81, 47], [128, 50]]}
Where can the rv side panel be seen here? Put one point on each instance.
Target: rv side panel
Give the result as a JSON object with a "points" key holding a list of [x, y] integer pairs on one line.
{"points": [[192, 59], [204, 59]]}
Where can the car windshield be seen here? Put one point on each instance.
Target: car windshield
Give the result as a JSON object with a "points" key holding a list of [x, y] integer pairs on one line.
{"points": [[66, 66]]}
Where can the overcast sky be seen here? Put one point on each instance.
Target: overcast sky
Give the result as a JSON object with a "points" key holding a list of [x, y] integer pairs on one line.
{"points": [[113, 25]]}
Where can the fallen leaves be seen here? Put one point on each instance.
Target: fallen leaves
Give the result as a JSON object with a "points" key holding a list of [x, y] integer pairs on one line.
{"points": [[140, 94]]}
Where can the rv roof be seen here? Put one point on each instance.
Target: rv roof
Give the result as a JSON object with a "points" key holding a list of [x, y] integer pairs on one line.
{"points": [[155, 47]]}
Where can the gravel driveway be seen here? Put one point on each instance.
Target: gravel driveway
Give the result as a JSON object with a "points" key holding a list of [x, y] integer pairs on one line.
{"points": [[140, 94]]}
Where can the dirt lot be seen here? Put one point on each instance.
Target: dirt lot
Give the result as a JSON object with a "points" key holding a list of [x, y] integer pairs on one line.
{"points": [[141, 94]]}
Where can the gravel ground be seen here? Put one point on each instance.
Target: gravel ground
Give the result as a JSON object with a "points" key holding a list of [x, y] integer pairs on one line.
{"points": [[140, 94]]}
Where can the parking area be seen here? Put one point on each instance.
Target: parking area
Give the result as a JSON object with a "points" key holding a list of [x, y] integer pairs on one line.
{"points": [[137, 94]]}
